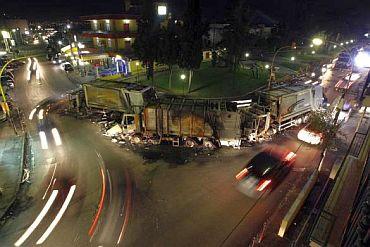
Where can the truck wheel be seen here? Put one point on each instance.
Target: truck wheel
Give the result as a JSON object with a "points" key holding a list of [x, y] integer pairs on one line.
{"points": [[209, 144], [305, 119], [190, 143]]}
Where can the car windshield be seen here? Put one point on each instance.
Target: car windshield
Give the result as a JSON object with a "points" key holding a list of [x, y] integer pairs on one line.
{"points": [[262, 164]]}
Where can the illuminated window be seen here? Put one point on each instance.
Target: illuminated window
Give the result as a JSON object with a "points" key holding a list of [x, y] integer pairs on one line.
{"points": [[107, 25]]}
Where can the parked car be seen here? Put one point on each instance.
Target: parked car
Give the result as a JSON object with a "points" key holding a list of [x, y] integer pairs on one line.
{"points": [[309, 136], [68, 67], [265, 171], [345, 113]]}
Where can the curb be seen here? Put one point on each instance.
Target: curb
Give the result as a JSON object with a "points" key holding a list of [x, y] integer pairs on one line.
{"points": [[22, 163]]}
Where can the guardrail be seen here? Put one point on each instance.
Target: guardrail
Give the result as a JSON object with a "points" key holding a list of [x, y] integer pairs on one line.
{"points": [[326, 218]]}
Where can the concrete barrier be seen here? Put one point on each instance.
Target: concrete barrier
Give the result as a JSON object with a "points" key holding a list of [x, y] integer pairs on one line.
{"points": [[297, 205]]}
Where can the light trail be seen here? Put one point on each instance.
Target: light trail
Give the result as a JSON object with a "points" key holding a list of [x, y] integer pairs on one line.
{"points": [[37, 221], [127, 205], [58, 217], [51, 180]]}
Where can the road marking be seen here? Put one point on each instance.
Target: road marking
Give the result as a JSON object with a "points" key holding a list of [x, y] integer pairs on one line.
{"points": [[128, 207], [37, 221], [51, 180], [59, 215], [56, 136], [41, 114], [44, 142], [30, 117]]}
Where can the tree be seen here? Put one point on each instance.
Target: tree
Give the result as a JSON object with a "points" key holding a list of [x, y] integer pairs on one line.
{"points": [[169, 46], [236, 35], [322, 122], [146, 45], [192, 31]]}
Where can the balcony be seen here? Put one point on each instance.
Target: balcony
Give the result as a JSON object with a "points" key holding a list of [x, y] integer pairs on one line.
{"points": [[108, 34]]}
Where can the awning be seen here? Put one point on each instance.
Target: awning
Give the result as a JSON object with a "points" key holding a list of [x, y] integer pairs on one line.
{"points": [[87, 57]]}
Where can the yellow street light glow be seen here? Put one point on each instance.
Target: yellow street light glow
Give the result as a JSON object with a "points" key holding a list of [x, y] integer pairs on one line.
{"points": [[317, 41], [182, 76], [311, 45], [137, 63]]}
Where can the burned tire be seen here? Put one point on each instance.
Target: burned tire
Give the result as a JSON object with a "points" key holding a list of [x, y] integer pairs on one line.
{"points": [[209, 144], [136, 139], [190, 143]]}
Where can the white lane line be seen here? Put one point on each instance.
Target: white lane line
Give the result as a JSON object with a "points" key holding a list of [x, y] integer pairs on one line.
{"points": [[39, 218], [44, 141], [56, 136], [41, 114], [51, 180], [30, 117], [58, 216]]}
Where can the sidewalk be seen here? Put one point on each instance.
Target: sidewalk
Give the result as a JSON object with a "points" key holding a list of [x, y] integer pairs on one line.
{"points": [[11, 167]]}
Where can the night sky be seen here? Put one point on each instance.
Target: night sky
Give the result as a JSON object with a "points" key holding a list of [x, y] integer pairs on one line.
{"points": [[213, 9]]}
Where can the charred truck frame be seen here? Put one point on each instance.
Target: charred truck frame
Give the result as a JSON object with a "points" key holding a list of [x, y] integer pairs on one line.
{"points": [[203, 122]]}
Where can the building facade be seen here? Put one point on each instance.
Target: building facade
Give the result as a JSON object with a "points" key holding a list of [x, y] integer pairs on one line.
{"points": [[114, 32]]}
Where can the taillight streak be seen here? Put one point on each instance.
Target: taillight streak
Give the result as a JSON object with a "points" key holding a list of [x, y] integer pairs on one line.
{"points": [[241, 174], [263, 184]]}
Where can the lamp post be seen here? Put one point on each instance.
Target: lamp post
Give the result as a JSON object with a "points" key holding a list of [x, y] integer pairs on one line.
{"points": [[137, 72], [318, 42], [272, 72]]}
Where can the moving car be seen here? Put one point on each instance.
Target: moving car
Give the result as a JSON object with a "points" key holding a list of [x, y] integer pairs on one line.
{"points": [[264, 171]]}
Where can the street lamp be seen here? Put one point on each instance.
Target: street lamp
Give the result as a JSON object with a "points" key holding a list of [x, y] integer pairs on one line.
{"points": [[317, 42], [313, 52], [342, 44], [68, 26], [267, 66], [292, 58], [60, 42], [347, 42], [335, 46], [351, 41], [182, 77], [247, 54]]}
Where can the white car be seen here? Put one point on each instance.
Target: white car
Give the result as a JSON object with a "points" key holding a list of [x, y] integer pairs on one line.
{"points": [[345, 113], [309, 136]]}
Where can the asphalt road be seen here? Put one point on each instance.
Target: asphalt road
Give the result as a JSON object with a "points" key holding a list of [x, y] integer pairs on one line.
{"points": [[148, 200]]}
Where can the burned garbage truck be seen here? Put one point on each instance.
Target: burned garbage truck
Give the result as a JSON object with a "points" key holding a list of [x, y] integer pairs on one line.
{"points": [[181, 121]]}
